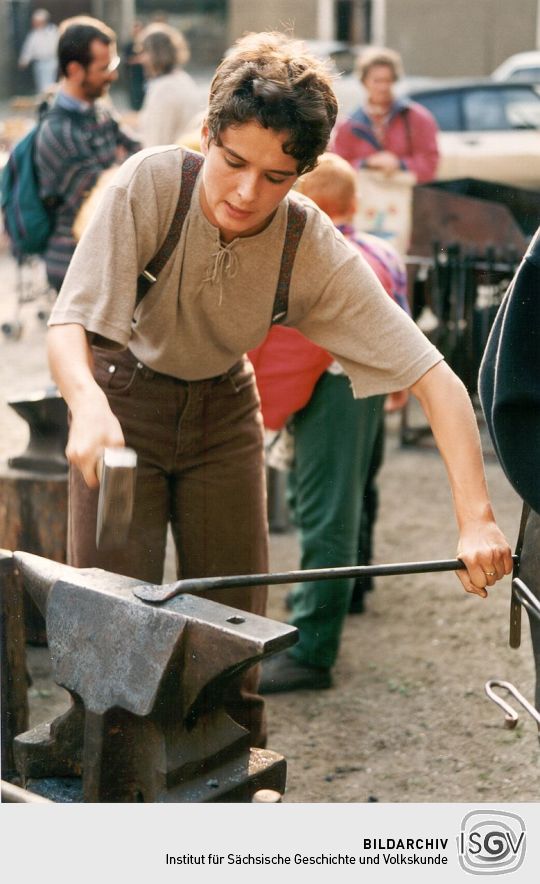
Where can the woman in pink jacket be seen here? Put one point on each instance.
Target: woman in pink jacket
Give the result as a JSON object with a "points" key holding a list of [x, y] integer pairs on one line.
{"points": [[386, 133]]}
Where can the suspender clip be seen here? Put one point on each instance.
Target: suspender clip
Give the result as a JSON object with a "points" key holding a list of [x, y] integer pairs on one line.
{"points": [[149, 276]]}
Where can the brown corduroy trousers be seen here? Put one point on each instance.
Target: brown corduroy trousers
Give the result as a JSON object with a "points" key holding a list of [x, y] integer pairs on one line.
{"points": [[201, 470]]}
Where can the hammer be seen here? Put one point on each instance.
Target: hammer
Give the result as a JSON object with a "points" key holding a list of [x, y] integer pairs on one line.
{"points": [[116, 472]]}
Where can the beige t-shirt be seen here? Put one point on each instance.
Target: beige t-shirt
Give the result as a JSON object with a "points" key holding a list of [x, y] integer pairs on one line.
{"points": [[212, 303]]}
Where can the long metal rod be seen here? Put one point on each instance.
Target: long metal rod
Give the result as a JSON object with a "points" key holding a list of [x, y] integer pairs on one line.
{"points": [[504, 266], [12, 794], [152, 593]]}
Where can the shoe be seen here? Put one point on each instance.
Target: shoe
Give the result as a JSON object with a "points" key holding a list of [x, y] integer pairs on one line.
{"points": [[358, 601], [283, 673], [357, 604]]}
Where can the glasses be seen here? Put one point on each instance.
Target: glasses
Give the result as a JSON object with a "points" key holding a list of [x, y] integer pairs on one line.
{"points": [[107, 68]]}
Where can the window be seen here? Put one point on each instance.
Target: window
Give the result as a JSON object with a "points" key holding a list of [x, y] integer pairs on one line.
{"points": [[492, 110], [525, 75], [522, 108], [483, 111], [445, 108]]}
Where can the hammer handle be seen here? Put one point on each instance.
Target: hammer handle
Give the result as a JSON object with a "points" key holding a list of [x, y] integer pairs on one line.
{"points": [[153, 593]]}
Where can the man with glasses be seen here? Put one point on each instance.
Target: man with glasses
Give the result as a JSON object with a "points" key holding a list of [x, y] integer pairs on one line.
{"points": [[78, 137]]}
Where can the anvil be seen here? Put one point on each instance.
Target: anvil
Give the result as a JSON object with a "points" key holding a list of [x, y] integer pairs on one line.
{"points": [[147, 722]]}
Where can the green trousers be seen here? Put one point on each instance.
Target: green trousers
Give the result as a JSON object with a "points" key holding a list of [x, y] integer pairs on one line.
{"points": [[334, 439]]}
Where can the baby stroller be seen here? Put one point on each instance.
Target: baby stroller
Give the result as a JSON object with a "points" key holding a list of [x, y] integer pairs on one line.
{"points": [[28, 281]]}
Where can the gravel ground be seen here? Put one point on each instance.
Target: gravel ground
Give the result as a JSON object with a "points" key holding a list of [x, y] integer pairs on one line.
{"points": [[407, 719]]}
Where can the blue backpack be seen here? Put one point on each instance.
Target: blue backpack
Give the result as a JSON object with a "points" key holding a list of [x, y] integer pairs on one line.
{"points": [[27, 220]]}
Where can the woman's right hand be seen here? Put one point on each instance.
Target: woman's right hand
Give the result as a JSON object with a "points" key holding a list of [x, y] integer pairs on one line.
{"points": [[93, 425], [93, 428]]}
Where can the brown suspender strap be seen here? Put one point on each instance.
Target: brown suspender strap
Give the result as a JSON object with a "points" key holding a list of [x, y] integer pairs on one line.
{"points": [[191, 167], [296, 221]]}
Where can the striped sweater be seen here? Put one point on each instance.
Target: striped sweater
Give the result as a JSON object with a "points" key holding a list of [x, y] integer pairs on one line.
{"points": [[73, 148]]}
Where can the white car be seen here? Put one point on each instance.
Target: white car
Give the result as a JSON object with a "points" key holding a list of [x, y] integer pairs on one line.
{"points": [[488, 130], [521, 68]]}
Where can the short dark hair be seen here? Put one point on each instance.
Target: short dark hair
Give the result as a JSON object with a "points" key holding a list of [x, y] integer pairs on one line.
{"points": [[273, 80], [76, 36]]}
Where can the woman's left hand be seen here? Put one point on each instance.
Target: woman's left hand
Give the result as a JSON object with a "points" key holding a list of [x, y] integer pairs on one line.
{"points": [[486, 554]]}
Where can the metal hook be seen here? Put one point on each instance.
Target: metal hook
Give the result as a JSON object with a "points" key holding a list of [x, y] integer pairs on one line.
{"points": [[525, 597], [511, 716]]}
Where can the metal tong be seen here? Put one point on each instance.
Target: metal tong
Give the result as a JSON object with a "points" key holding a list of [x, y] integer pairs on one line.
{"points": [[152, 593]]}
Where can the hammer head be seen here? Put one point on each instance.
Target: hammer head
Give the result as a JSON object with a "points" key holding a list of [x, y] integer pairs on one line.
{"points": [[116, 471]]}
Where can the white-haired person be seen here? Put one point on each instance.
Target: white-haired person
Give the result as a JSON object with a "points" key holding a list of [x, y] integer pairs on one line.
{"points": [[387, 133], [172, 97]]}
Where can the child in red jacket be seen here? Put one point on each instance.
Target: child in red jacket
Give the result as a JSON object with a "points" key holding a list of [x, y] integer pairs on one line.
{"points": [[335, 437]]}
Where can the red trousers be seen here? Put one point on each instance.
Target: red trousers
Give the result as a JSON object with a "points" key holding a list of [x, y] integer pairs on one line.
{"points": [[201, 470]]}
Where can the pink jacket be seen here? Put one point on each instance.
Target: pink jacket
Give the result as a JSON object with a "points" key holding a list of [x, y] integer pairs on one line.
{"points": [[411, 134]]}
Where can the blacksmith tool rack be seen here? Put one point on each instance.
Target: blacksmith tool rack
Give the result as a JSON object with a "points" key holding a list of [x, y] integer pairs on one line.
{"points": [[456, 295]]}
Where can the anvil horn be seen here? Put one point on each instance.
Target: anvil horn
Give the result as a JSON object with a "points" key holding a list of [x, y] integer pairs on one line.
{"points": [[39, 576]]}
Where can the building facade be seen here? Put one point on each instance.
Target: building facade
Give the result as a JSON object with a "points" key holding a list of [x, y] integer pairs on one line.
{"points": [[436, 38], [347, 20], [454, 38]]}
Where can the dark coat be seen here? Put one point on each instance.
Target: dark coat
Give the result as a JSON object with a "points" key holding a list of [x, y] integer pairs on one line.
{"points": [[509, 379]]}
